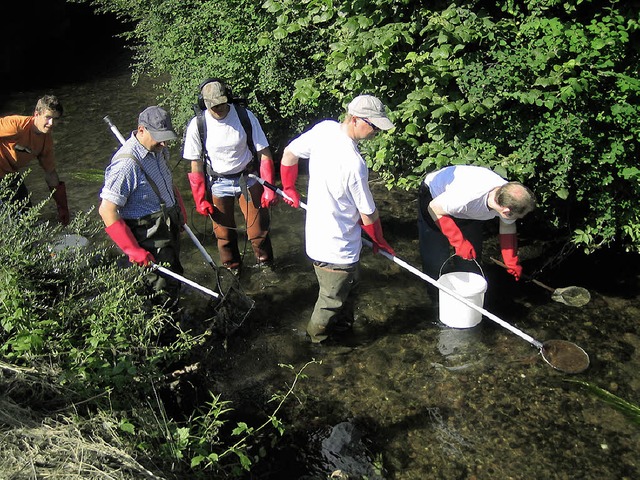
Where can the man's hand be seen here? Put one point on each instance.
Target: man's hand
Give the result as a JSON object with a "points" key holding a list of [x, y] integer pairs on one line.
{"points": [[269, 198], [289, 174], [122, 236], [509, 249], [60, 197], [374, 230], [450, 229], [203, 206], [180, 202]]}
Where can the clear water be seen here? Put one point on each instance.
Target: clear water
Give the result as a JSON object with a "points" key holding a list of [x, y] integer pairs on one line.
{"points": [[428, 401]]}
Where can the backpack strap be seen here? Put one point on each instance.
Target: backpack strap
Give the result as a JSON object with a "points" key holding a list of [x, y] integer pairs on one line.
{"points": [[248, 129], [202, 131], [152, 184]]}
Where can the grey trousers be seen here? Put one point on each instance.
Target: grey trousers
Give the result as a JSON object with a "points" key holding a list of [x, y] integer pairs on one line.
{"points": [[334, 308]]}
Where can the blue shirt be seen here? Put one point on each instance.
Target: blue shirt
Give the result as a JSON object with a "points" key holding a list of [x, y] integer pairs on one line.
{"points": [[127, 186]]}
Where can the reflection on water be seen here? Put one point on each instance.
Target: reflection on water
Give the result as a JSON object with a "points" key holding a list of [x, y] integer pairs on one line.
{"points": [[429, 401]]}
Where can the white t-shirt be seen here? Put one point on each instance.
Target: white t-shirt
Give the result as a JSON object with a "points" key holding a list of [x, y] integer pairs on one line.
{"points": [[226, 141], [338, 192], [462, 191]]}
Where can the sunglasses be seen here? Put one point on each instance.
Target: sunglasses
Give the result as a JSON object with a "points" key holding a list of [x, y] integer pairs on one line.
{"points": [[375, 129]]}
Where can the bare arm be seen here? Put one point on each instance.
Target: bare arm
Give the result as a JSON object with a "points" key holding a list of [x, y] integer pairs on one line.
{"points": [[265, 154], [506, 228], [369, 219], [435, 210], [288, 158], [109, 212], [197, 166]]}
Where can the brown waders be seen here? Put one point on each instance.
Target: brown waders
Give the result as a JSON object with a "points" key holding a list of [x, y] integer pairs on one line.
{"points": [[257, 218]]}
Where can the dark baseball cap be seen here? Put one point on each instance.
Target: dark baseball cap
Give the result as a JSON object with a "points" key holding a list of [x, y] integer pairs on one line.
{"points": [[158, 121]]}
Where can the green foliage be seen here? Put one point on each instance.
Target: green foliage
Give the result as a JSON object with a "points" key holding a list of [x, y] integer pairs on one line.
{"points": [[203, 445], [73, 308], [544, 91], [75, 312], [184, 42]]}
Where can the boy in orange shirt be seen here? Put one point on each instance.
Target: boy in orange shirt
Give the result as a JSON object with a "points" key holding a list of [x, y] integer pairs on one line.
{"points": [[23, 138]]}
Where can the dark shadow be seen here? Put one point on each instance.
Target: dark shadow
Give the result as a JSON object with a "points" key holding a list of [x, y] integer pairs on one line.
{"points": [[57, 43]]}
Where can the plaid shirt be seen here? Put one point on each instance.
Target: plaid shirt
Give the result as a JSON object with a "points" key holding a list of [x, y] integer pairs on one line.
{"points": [[127, 186]]}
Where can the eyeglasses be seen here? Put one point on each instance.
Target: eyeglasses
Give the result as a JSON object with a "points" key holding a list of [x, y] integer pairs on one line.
{"points": [[220, 106], [375, 129]]}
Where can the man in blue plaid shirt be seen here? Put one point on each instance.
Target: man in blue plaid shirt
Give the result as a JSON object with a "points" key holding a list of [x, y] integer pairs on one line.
{"points": [[141, 209]]}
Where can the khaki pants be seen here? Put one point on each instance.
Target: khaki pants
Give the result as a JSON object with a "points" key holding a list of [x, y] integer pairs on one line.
{"points": [[334, 308]]}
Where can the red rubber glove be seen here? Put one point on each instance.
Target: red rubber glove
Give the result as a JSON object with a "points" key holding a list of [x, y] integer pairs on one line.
{"points": [[60, 196], [374, 231], [509, 248], [203, 207], [122, 236], [289, 174], [180, 202], [450, 229], [269, 198]]}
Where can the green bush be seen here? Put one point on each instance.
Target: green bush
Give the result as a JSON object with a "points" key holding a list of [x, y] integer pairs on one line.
{"points": [[88, 335], [544, 91], [74, 307]]}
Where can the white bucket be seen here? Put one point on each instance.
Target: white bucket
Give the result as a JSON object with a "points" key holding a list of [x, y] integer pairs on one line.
{"points": [[453, 312], [68, 241]]}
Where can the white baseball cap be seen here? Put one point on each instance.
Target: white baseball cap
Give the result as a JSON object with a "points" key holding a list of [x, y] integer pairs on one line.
{"points": [[369, 107]]}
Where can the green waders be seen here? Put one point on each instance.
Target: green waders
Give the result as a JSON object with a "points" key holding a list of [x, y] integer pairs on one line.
{"points": [[333, 311]]}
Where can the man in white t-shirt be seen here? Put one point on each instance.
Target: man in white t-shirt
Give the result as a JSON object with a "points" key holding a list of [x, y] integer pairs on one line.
{"points": [[220, 170], [454, 202], [340, 206]]}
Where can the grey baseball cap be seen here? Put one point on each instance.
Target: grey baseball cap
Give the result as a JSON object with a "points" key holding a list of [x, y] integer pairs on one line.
{"points": [[369, 107], [158, 121]]}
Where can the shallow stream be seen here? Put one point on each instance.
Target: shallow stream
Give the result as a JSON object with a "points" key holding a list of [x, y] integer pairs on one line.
{"points": [[402, 396]]}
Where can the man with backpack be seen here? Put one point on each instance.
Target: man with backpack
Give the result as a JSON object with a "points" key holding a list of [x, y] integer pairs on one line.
{"points": [[225, 143]]}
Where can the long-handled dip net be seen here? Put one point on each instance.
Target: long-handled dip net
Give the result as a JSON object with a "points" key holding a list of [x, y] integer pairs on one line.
{"points": [[231, 305], [560, 354]]}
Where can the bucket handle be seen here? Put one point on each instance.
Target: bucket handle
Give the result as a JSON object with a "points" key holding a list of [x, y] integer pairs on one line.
{"points": [[473, 259]]}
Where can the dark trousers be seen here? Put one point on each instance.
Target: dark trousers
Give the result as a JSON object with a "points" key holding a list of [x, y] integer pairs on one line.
{"points": [[159, 234], [435, 249]]}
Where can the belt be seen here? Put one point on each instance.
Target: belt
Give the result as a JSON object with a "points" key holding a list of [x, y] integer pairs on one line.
{"points": [[215, 174]]}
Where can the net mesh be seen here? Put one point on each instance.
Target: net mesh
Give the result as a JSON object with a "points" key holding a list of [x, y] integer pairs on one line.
{"points": [[565, 356], [232, 308], [572, 296], [232, 311]]}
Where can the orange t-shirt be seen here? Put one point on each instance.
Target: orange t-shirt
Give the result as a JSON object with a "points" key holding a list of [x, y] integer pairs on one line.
{"points": [[19, 144]]}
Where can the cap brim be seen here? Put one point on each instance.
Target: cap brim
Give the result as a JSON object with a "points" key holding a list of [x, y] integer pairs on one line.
{"points": [[383, 123], [212, 102], [163, 136]]}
